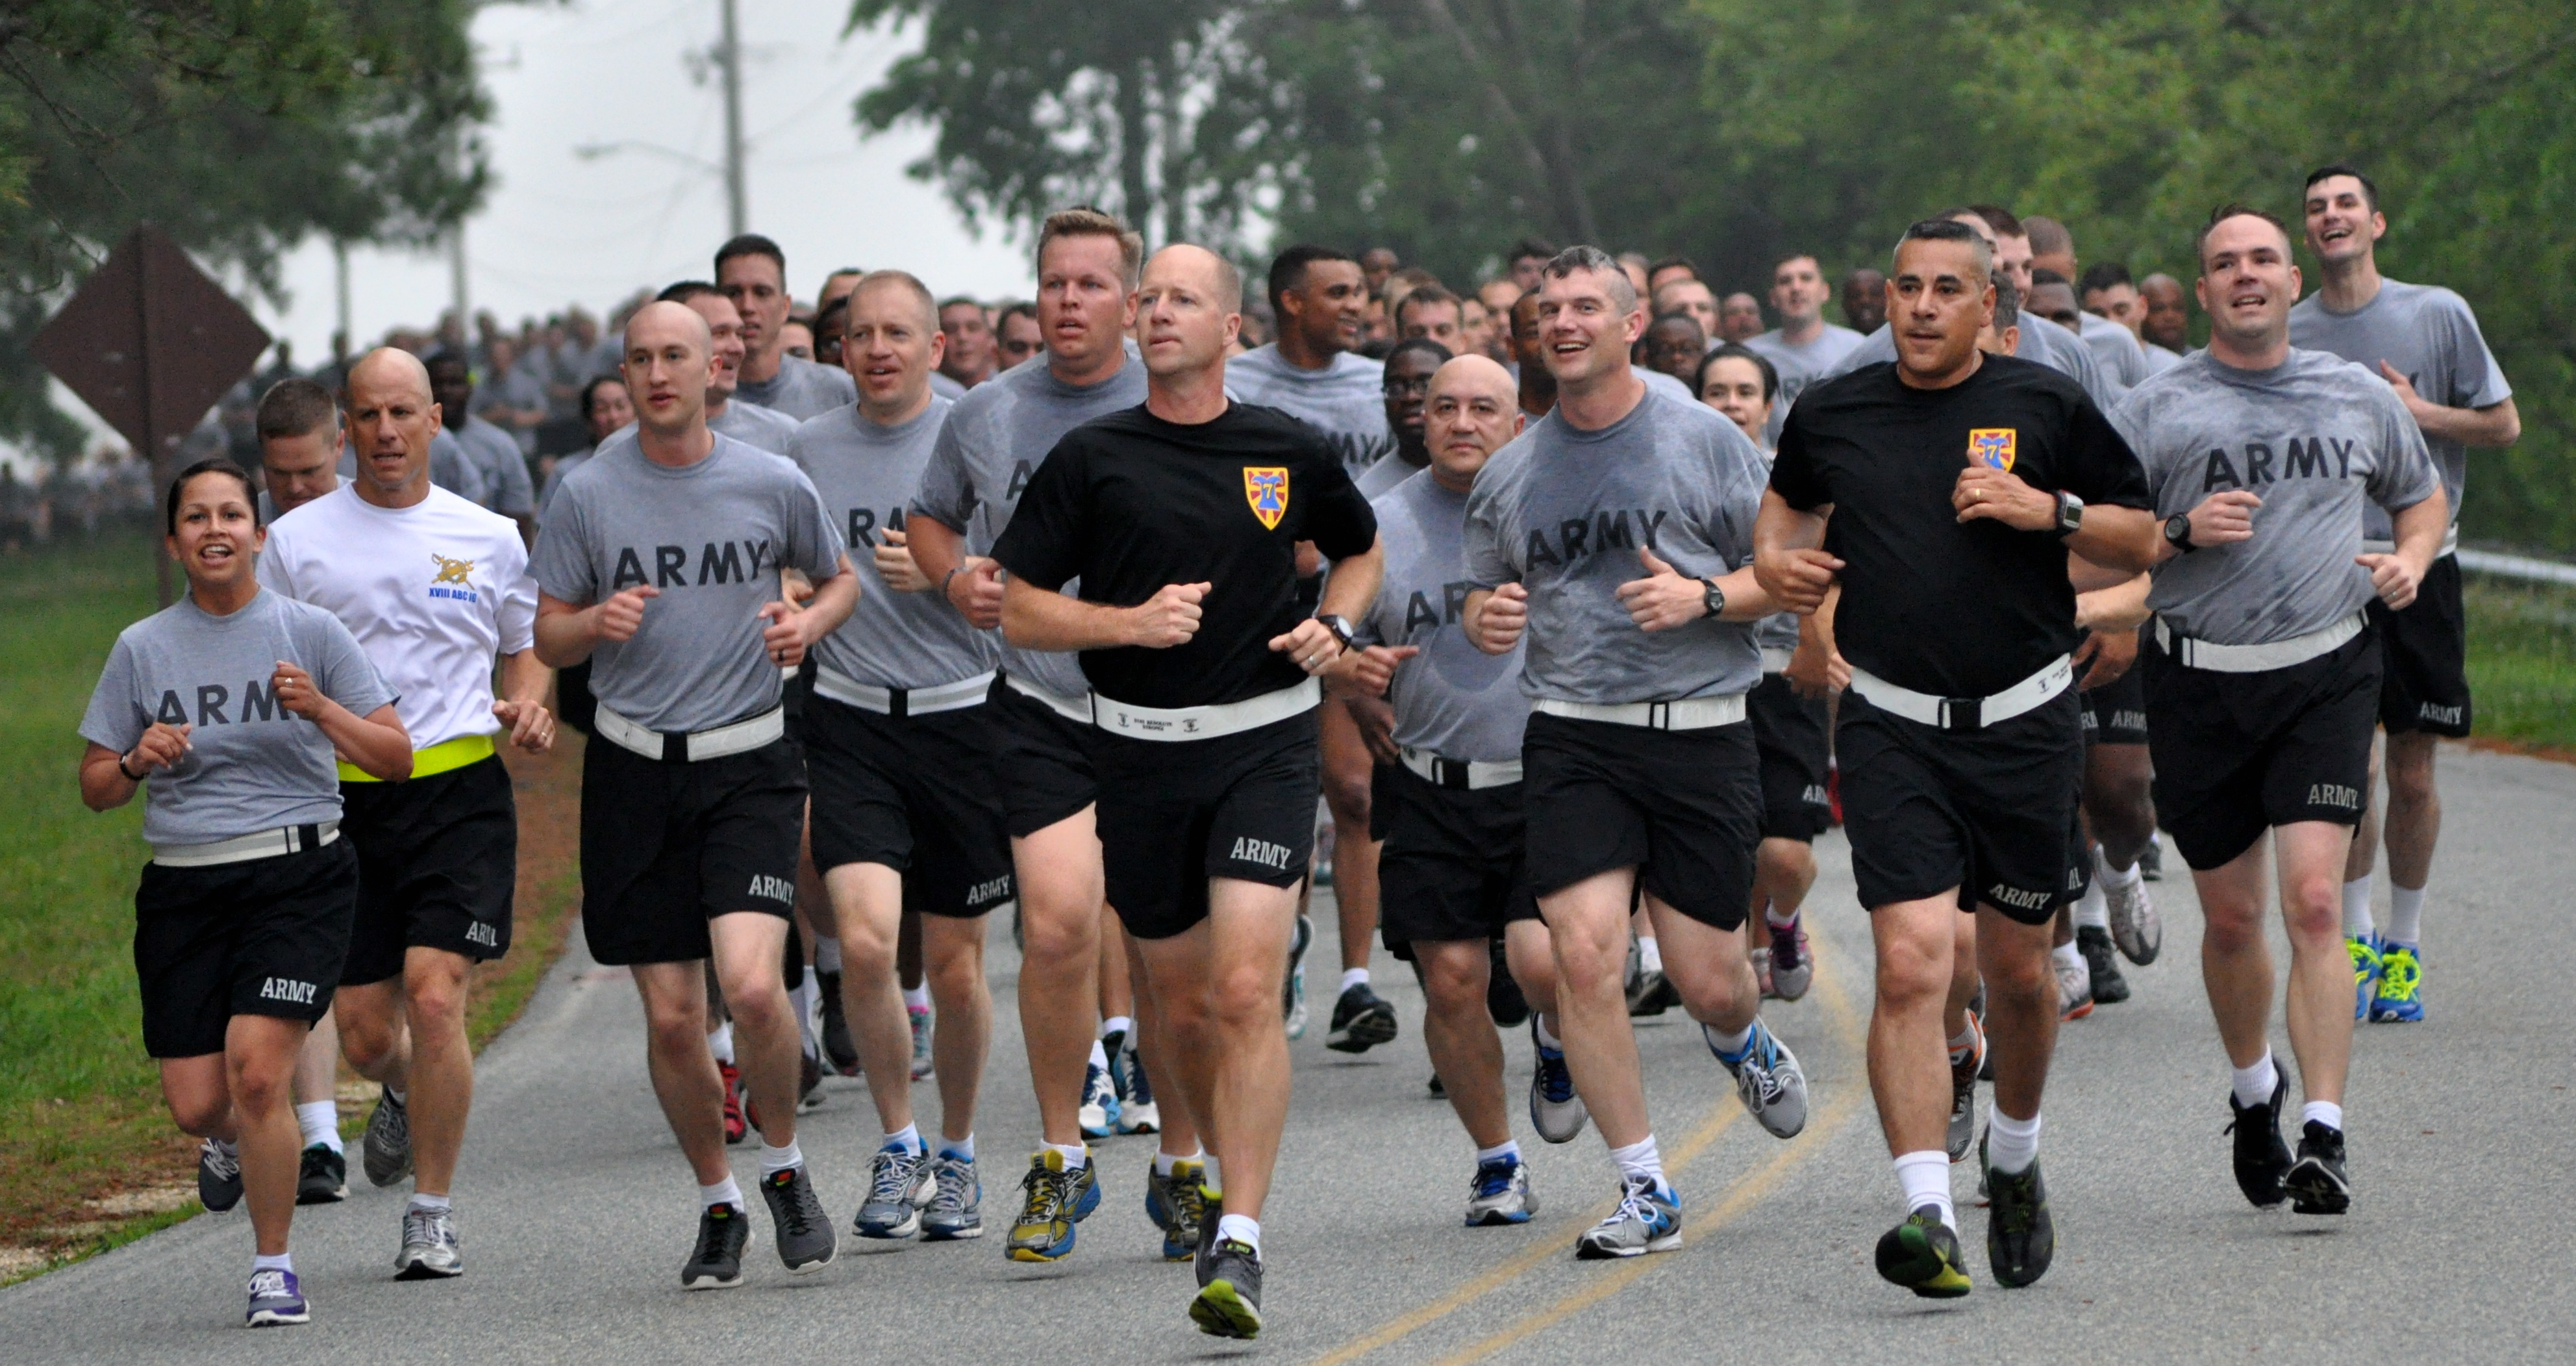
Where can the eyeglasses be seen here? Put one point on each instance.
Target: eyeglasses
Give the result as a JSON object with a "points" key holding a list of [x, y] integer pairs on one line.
{"points": [[1399, 387]]}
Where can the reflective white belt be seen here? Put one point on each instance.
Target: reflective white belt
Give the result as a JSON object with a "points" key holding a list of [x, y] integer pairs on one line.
{"points": [[1690, 713], [677, 747], [840, 687], [1461, 775], [1966, 713], [286, 839], [1077, 709], [2255, 659], [1776, 660], [1203, 723]]}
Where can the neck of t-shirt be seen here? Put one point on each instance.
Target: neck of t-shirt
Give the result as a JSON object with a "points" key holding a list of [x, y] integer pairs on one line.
{"points": [[1293, 350], [716, 403], [2351, 286], [1795, 332], [677, 450], [762, 366], [1603, 403], [221, 601], [1117, 359], [411, 494], [2252, 362], [1192, 398], [901, 413], [1949, 380]]}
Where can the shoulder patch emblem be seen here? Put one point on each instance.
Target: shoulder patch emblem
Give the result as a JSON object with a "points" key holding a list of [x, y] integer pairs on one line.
{"points": [[1993, 446], [451, 571], [1265, 487]]}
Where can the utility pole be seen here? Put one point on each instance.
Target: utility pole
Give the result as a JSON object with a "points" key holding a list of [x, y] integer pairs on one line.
{"points": [[457, 298], [729, 60], [342, 335]]}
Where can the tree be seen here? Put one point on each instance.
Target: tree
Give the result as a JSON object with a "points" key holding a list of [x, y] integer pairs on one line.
{"points": [[238, 126]]}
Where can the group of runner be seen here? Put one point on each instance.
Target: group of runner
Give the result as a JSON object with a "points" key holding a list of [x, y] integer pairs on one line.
{"points": [[1569, 656]]}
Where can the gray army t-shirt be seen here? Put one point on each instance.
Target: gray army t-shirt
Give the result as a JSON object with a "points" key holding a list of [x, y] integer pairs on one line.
{"points": [[993, 440], [754, 426], [867, 474], [1345, 400], [1800, 366], [1452, 699], [2431, 337], [2315, 438], [1383, 476], [2116, 350], [1564, 512], [507, 489], [801, 389], [711, 538], [251, 765]]}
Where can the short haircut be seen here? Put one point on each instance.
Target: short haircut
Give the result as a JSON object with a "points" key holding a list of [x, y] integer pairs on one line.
{"points": [[952, 301], [1022, 309], [1683, 263], [1440, 355], [444, 356], [1623, 291], [2042, 275], [590, 393], [2106, 275], [1739, 351], [2007, 304], [296, 407], [1995, 216], [829, 322], [904, 280], [2228, 210], [2369, 187], [2048, 237], [1948, 228], [1229, 282], [212, 465], [751, 244], [1082, 220], [1786, 257], [1677, 316], [1431, 294], [1288, 270], [686, 290], [1529, 247]]}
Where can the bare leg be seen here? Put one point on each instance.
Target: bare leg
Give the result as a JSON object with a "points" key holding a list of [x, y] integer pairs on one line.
{"points": [[1347, 768], [1060, 916], [953, 954], [1154, 1049], [867, 904], [2021, 1013], [2320, 989], [1219, 981], [683, 1070], [1588, 929], [2414, 809], [1464, 1048], [442, 1064], [259, 1070], [1909, 1061], [317, 1061]]}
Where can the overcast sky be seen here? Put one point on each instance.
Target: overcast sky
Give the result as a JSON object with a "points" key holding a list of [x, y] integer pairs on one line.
{"points": [[560, 229]]}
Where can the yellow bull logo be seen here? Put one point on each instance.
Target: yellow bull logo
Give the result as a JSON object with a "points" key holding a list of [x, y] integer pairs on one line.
{"points": [[452, 571]]}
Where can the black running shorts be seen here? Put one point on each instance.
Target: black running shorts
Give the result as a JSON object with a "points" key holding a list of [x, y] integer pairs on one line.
{"points": [[2237, 754], [1682, 807], [1986, 813], [794, 689], [2116, 712], [263, 937], [2424, 682], [1174, 814], [1042, 761], [914, 793], [667, 847], [438, 864], [1452, 865], [1795, 750]]}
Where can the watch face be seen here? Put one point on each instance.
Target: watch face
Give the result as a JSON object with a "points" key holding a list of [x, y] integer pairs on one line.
{"points": [[2178, 527]]}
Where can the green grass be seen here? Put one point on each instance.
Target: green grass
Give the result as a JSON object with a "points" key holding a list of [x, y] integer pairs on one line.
{"points": [[2522, 661]]}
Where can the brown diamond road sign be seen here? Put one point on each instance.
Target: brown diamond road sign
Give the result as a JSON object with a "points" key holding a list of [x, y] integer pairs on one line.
{"points": [[149, 343]]}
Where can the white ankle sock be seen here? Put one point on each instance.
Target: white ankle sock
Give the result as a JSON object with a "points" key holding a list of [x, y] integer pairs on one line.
{"points": [[1241, 1230], [1925, 1179], [1099, 1056], [284, 1261], [2115, 877], [1354, 977], [1727, 1045], [1215, 1178], [1547, 1037], [724, 1192], [957, 1147], [1650, 955], [1510, 1148], [2012, 1144], [2093, 908], [1641, 1158], [320, 1121], [2068, 954], [2323, 1112], [1117, 1024], [1164, 1162], [2405, 915], [720, 1042], [1078, 1157], [430, 1202], [907, 1138], [2254, 1084], [776, 1160], [1772, 916], [2356, 908], [827, 954], [917, 999]]}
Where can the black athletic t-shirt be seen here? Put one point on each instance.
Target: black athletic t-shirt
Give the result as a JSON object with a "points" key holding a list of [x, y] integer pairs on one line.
{"points": [[1930, 603], [1130, 502]]}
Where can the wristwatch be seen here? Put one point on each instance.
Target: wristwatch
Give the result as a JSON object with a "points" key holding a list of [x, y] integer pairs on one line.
{"points": [[2070, 513], [1340, 627], [2178, 532], [1713, 597]]}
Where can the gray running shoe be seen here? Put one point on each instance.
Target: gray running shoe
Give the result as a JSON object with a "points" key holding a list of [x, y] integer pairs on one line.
{"points": [[2135, 926], [2074, 987], [805, 1241], [1229, 1299], [1768, 1080], [899, 1185], [1500, 1194], [429, 1248], [388, 1141], [1649, 1219], [956, 1201], [1963, 1095], [1793, 959], [1555, 1110], [219, 1183], [1292, 993], [715, 1262], [922, 1066]]}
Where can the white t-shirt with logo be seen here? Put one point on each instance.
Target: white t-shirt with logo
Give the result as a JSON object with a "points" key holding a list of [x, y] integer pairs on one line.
{"points": [[432, 592]]}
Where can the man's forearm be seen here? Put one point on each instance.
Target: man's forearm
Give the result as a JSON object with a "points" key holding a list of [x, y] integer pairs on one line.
{"points": [[2421, 530], [936, 548], [1354, 583], [524, 677], [1035, 618], [834, 599], [567, 635], [2118, 538], [2487, 428]]}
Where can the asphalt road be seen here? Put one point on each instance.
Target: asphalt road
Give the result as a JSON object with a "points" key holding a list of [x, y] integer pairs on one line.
{"points": [[577, 1212]]}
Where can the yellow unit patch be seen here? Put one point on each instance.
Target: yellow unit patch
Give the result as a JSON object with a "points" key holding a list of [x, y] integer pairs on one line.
{"points": [[1993, 446], [1265, 487], [452, 571]]}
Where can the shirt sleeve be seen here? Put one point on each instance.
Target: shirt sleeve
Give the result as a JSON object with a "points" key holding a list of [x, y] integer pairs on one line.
{"points": [[342, 670], [2132, 421], [2404, 473], [1487, 542], [2476, 380], [517, 619], [1794, 475], [563, 567], [1048, 539], [813, 544], [1340, 522], [116, 717], [271, 568], [2099, 466], [947, 494]]}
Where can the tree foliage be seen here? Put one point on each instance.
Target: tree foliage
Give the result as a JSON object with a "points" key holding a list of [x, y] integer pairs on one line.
{"points": [[238, 126]]}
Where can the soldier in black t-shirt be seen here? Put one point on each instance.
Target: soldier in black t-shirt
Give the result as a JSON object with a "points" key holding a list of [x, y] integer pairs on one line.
{"points": [[1957, 484], [1182, 517]]}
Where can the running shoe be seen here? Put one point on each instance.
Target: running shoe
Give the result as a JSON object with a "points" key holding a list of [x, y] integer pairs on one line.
{"points": [[1052, 1201], [1361, 1021], [922, 1066], [1767, 1079], [1555, 1110], [2102, 965], [219, 1183], [1500, 1194], [839, 1048], [2074, 987], [388, 1141], [2021, 1238], [2151, 861], [737, 1124], [1292, 992], [1503, 999], [1229, 1299], [715, 1263], [1648, 1219], [2262, 1159], [898, 1186], [322, 1176], [1439, 1089], [805, 1241], [2135, 926], [2367, 965], [1176, 1203], [809, 1084], [1137, 1111], [276, 1300], [1922, 1254], [1793, 959], [2400, 998], [1963, 1093], [1099, 1113], [2317, 1182], [1211, 1212], [1764, 986], [956, 1210], [430, 1250], [1649, 992]]}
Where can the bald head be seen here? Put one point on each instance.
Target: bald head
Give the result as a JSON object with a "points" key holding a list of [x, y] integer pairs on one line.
{"points": [[386, 369], [1473, 412], [669, 365]]}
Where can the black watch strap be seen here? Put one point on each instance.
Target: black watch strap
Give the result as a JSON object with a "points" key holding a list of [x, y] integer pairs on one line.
{"points": [[1340, 627], [2178, 531], [130, 775]]}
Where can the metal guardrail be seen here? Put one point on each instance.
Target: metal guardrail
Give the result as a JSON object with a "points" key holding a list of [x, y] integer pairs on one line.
{"points": [[2521, 567]]}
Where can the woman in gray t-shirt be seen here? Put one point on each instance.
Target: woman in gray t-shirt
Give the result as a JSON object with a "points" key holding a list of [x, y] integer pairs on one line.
{"points": [[228, 705]]}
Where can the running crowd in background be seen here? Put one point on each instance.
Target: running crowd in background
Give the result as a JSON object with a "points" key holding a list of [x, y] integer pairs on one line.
{"points": [[1584, 603]]}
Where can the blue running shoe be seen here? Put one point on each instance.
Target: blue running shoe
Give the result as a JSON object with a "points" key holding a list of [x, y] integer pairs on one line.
{"points": [[1649, 1219], [2400, 998], [1767, 1079], [1555, 1111], [2367, 965], [899, 1184], [1500, 1194], [1099, 1113], [275, 1299]]}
